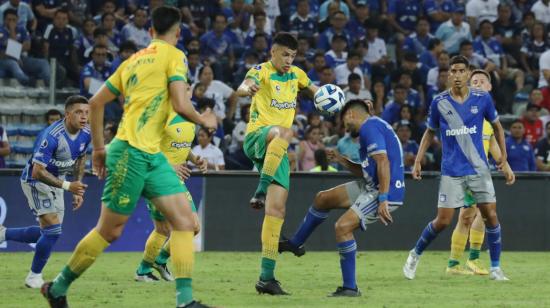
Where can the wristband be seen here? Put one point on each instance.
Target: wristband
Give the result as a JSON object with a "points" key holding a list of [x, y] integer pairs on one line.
{"points": [[66, 185], [382, 197]]}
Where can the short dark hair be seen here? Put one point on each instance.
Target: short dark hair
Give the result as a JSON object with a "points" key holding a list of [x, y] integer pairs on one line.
{"points": [[10, 12], [410, 57], [128, 46], [353, 77], [62, 10], [259, 35], [433, 43], [482, 72], [100, 32], [219, 14], [484, 21], [338, 13], [105, 15], [52, 112], [326, 67], [517, 121], [164, 18], [98, 46], [75, 99], [258, 13], [459, 60], [339, 37], [399, 86], [465, 43], [355, 104], [319, 54], [354, 53], [191, 52], [320, 157], [287, 40]]}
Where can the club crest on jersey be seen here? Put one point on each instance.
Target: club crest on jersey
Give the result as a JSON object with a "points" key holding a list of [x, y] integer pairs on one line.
{"points": [[82, 146], [44, 144], [474, 110], [178, 130], [278, 88], [365, 163]]}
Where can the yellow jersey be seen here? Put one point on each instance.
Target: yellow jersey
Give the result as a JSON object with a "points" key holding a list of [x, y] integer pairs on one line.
{"points": [[143, 81], [487, 133], [275, 101], [177, 139]]}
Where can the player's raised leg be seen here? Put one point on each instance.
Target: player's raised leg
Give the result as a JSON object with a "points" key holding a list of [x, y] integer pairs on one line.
{"points": [[477, 234]]}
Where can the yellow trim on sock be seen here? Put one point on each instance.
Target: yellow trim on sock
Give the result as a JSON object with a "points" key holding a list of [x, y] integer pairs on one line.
{"points": [[274, 155], [458, 243], [153, 245], [271, 231], [181, 246], [87, 250], [476, 238]]}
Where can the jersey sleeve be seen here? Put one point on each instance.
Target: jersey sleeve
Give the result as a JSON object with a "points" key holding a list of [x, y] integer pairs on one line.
{"points": [[255, 73], [372, 138], [433, 115], [114, 83], [45, 150], [303, 79], [490, 113], [177, 67]]}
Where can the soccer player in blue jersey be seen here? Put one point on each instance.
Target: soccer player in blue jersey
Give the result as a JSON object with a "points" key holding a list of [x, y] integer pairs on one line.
{"points": [[380, 191], [60, 150], [459, 114]]}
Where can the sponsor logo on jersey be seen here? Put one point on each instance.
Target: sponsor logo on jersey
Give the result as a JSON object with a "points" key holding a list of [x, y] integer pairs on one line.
{"points": [[464, 130], [474, 110], [180, 145], [283, 105], [61, 163]]}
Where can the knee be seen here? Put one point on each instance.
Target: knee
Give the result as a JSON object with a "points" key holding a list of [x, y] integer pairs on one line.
{"points": [[441, 223], [286, 134], [341, 227], [276, 209], [491, 218], [321, 201], [163, 228], [110, 235], [467, 220]]}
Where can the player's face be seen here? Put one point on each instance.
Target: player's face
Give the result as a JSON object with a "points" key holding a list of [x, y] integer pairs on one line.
{"points": [[480, 81], [282, 58], [350, 123], [77, 116], [458, 75]]}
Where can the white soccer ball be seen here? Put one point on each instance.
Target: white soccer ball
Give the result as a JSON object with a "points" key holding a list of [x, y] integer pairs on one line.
{"points": [[329, 98]]}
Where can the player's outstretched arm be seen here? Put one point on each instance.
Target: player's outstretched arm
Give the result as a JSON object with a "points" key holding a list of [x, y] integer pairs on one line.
{"points": [[424, 145], [181, 102], [506, 170], [247, 88], [499, 135], [334, 156]]}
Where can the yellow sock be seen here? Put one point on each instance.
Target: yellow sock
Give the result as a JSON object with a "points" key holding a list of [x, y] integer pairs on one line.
{"points": [[274, 154], [271, 230], [476, 238], [167, 246], [91, 246], [153, 245], [181, 246], [458, 243]]}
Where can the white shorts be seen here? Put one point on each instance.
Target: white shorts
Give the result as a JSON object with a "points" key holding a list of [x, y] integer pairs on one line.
{"points": [[365, 202], [452, 189], [44, 199]]}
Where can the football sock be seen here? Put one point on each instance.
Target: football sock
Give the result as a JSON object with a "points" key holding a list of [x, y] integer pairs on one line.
{"points": [[23, 235], [182, 248], [271, 230], [314, 217], [347, 251], [495, 244], [87, 250], [152, 247], [476, 240], [44, 247], [428, 235], [164, 254], [458, 243], [274, 155]]}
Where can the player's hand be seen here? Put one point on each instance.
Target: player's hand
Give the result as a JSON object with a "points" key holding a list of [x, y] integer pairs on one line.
{"points": [[209, 120], [182, 171], [502, 163], [384, 213], [98, 163], [332, 155], [508, 174], [77, 202], [77, 188], [417, 171], [202, 163], [253, 89]]}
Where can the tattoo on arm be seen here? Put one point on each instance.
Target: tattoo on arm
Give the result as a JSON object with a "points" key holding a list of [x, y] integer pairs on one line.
{"points": [[41, 174], [79, 166]]}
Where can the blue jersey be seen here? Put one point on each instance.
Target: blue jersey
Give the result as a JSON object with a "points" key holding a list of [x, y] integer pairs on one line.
{"points": [[376, 136], [461, 130], [57, 150]]}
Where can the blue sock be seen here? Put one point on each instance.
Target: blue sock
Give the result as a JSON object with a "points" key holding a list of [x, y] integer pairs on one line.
{"points": [[313, 218], [495, 244], [23, 235], [44, 247], [428, 235], [347, 263]]}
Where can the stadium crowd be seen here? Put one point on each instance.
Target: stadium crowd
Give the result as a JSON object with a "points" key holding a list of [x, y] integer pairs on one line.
{"points": [[395, 53]]}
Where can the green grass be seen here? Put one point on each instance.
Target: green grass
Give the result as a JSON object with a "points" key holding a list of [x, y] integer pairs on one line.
{"points": [[227, 279]]}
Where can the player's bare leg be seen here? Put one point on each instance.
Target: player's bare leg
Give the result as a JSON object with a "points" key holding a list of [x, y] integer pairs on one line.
{"points": [[459, 239], [271, 229], [477, 234], [326, 200], [489, 213]]}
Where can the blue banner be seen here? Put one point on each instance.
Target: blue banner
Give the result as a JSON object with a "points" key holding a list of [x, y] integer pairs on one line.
{"points": [[15, 212]]}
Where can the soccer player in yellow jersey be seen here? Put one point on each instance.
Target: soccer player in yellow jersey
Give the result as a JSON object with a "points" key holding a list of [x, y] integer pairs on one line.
{"points": [[274, 86], [469, 219], [176, 146], [152, 83]]}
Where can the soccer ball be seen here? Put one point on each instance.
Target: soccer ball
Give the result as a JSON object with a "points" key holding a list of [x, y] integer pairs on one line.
{"points": [[329, 99]]}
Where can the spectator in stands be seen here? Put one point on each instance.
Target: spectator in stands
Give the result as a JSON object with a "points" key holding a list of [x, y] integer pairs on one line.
{"points": [[260, 45], [238, 18], [4, 147], [318, 64], [520, 9], [236, 158], [199, 13], [260, 20], [356, 25], [403, 16], [533, 48], [355, 88], [59, 44], [507, 31], [454, 31], [343, 71], [541, 9], [475, 59], [413, 98], [526, 25], [45, 11], [348, 146], [438, 12], [302, 22], [542, 152], [216, 46], [393, 108], [442, 64], [409, 147], [377, 55], [321, 162], [338, 23], [418, 41], [480, 10], [108, 23], [194, 65], [136, 31], [24, 12], [380, 98], [208, 151], [110, 7], [100, 38], [337, 55], [520, 153], [222, 94], [327, 76], [51, 116], [127, 49], [532, 124], [95, 72], [307, 148], [406, 117], [428, 59], [25, 67], [325, 12], [544, 68], [410, 65], [304, 54], [441, 85], [85, 40], [109, 132]]}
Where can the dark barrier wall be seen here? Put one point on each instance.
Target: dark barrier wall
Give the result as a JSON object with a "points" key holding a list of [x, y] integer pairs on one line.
{"points": [[524, 212]]}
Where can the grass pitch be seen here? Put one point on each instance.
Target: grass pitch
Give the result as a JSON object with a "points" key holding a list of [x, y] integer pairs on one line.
{"points": [[227, 280]]}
